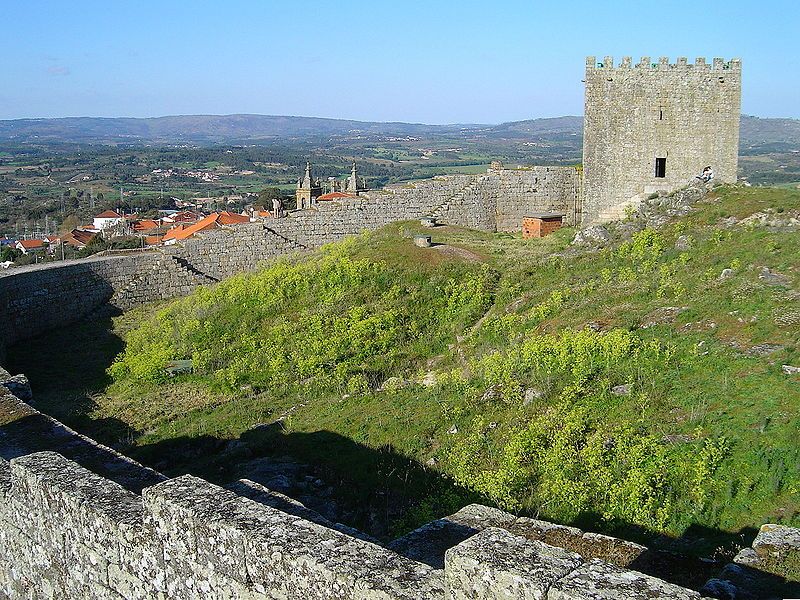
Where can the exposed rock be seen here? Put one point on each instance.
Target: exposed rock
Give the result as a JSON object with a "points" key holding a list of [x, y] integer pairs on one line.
{"points": [[747, 557], [663, 315], [490, 394], [728, 222], [453, 430], [597, 235], [597, 579], [772, 278], [773, 220], [765, 349], [722, 590], [495, 564], [429, 379], [532, 394], [726, 274], [743, 582], [621, 390], [790, 369], [683, 243], [777, 540], [19, 386]]}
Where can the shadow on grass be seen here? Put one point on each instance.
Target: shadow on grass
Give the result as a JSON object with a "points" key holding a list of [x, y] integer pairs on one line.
{"points": [[374, 488], [66, 366], [371, 489]]}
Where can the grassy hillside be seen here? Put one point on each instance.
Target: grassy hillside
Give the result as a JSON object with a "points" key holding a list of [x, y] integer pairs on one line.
{"points": [[633, 385]]}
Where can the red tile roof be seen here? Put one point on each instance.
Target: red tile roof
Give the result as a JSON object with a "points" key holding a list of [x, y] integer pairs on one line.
{"points": [[79, 237], [109, 214], [230, 218], [180, 232], [146, 225], [31, 244], [209, 222], [170, 235], [186, 216], [335, 196]]}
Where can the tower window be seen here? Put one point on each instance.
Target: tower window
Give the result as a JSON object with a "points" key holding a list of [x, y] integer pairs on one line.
{"points": [[661, 167]]}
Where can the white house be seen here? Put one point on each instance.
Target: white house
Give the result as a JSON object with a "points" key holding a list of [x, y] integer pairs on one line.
{"points": [[107, 219]]}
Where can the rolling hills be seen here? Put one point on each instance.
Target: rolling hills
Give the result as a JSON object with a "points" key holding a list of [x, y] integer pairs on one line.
{"points": [[220, 129]]}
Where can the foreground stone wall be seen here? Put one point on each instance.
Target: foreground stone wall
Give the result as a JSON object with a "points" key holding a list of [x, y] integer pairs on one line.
{"points": [[79, 520]]}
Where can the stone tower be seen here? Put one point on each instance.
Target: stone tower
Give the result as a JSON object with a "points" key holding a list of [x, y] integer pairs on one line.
{"points": [[354, 183], [308, 189], [654, 127]]}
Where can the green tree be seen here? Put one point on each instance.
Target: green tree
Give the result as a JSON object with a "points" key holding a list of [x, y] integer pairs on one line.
{"points": [[8, 253], [266, 196]]}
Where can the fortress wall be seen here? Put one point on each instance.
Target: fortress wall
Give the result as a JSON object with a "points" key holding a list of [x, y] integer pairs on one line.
{"points": [[99, 525], [37, 298], [66, 532], [537, 189]]}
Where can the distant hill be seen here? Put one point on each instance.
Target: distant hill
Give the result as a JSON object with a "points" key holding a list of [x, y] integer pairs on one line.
{"points": [[197, 128], [241, 128], [755, 130]]}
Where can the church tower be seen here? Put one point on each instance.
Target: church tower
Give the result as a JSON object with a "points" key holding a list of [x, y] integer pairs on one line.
{"points": [[354, 183], [308, 189]]}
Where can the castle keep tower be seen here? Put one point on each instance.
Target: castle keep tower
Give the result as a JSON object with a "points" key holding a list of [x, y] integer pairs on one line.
{"points": [[655, 126]]}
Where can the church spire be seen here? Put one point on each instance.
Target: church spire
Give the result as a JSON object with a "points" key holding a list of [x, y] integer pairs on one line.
{"points": [[308, 182]]}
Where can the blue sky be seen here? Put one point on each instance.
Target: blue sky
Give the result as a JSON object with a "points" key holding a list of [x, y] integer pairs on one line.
{"points": [[434, 61]]}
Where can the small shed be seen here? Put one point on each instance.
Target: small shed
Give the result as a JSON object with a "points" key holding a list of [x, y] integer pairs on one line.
{"points": [[538, 225]]}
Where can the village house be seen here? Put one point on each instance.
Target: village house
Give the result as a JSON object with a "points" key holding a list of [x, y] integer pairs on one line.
{"points": [[78, 238], [31, 246], [107, 220], [212, 221]]}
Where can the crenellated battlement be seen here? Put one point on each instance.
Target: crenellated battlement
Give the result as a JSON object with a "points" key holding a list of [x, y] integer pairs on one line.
{"points": [[663, 64]]}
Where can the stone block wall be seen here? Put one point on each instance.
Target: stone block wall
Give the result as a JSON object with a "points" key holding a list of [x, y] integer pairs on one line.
{"points": [[686, 113], [67, 532], [37, 298]]}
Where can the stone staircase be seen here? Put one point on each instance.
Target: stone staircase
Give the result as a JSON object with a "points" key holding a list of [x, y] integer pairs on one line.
{"points": [[292, 244], [169, 276], [184, 266], [457, 199]]}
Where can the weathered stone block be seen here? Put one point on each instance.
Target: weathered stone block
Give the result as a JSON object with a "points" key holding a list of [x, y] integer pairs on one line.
{"points": [[496, 564], [599, 580]]}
